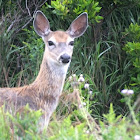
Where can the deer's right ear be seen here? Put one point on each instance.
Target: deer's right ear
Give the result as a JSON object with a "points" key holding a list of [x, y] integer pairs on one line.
{"points": [[78, 26], [41, 24]]}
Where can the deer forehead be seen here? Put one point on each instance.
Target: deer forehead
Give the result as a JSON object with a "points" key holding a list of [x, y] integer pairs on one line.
{"points": [[60, 36]]}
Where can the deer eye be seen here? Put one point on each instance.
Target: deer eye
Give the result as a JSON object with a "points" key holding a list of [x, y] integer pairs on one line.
{"points": [[71, 43], [50, 43]]}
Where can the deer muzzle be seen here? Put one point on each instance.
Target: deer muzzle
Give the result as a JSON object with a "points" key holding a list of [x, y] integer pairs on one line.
{"points": [[65, 58]]}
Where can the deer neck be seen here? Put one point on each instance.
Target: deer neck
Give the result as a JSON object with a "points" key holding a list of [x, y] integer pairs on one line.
{"points": [[51, 77]]}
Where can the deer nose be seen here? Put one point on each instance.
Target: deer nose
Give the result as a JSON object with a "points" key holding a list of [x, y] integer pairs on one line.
{"points": [[65, 58]]}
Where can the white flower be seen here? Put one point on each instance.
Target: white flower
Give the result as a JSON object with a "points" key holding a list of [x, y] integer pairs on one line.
{"points": [[137, 137], [74, 75], [70, 78], [84, 104], [124, 91], [81, 78], [90, 92], [80, 106], [127, 91], [86, 86], [87, 131], [130, 92]]}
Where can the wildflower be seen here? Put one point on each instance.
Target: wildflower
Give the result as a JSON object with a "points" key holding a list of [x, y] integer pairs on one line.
{"points": [[81, 78], [87, 131], [137, 137], [124, 91], [70, 78], [86, 86], [74, 75], [90, 92], [127, 92], [84, 104], [80, 106], [130, 91], [74, 78]]}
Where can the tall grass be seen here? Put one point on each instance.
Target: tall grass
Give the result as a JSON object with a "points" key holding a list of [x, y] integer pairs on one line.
{"points": [[105, 62]]}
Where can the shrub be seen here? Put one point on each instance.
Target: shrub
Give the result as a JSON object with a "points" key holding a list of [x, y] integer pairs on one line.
{"points": [[132, 48]]}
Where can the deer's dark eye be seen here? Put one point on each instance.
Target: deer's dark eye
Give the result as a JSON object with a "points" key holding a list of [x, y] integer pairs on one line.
{"points": [[71, 43], [50, 43]]}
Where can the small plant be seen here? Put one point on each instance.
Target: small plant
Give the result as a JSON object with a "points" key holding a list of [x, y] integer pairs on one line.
{"points": [[25, 123], [127, 99], [117, 127], [81, 84]]}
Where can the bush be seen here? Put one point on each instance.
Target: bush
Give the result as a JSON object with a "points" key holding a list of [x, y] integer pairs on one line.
{"points": [[132, 48]]}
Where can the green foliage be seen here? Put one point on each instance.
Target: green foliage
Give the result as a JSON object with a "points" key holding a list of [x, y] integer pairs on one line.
{"points": [[133, 50], [4, 126], [5, 60], [115, 128], [133, 32], [14, 17], [76, 126], [70, 9], [111, 116], [32, 48], [66, 131], [23, 124], [118, 3]]}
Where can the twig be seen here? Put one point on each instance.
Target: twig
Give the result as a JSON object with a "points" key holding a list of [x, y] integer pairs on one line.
{"points": [[10, 27], [28, 8], [27, 23], [20, 7], [43, 3]]}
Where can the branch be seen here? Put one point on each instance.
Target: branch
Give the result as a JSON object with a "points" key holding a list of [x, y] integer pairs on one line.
{"points": [[28, 8]]}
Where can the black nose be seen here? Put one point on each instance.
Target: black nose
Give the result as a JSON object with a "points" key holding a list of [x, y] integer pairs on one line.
{"points": [[65, 58]]}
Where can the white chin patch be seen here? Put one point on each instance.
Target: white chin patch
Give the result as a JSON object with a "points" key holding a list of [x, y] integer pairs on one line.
{"points": [[58, 66], [62, 68]]}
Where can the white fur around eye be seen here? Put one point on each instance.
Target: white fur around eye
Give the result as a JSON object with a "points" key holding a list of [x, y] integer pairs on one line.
{"points": [[51, 45], [70, 40], [71, 43]]}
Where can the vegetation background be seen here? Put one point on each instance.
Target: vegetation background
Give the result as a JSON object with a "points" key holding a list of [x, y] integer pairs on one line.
{"points": [[107, 56]]}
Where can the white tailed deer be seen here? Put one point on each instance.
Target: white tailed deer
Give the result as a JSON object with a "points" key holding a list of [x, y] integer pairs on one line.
{"points": [[45, 91]]}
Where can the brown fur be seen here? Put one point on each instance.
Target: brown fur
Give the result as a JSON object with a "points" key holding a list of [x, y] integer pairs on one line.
{"points": [[59, 35], [45, 91]]}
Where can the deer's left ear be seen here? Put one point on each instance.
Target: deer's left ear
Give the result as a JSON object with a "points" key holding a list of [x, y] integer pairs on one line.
{"points": [[78, 26]]}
